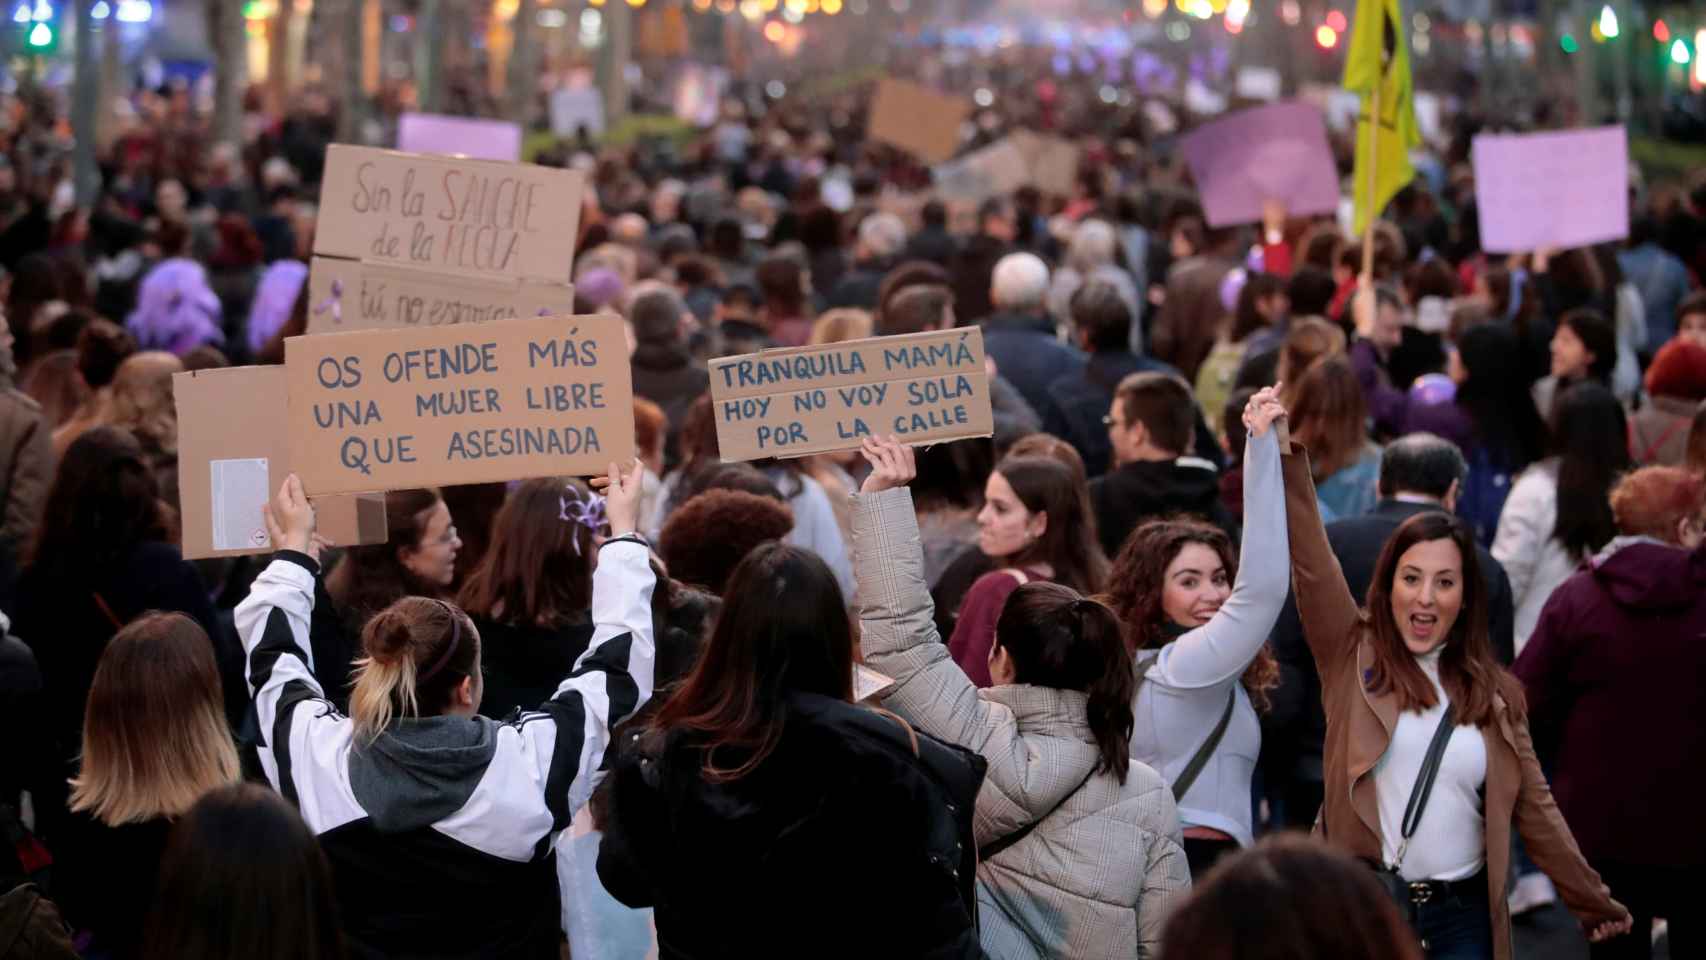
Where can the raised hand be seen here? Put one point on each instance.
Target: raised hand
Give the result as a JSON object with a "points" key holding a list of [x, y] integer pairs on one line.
{"points": [[1263, 410], [290, 519], [892, 464], [621, 497]]}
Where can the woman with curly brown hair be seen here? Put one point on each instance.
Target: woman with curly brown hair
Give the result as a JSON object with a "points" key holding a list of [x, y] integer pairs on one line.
{"points": [[1203, 667]]}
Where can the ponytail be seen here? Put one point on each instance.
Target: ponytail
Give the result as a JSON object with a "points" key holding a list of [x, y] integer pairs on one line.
{"points": [[1059, 639], [418, 651], [1111, 692]]}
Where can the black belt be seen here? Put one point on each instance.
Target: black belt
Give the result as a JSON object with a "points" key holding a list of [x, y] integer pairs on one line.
{"points": [[1427, 891]]}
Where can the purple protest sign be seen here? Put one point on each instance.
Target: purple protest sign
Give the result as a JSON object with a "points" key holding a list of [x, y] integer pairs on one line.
{"points": [[1277, 152], [470, 137], [1559, 190]]}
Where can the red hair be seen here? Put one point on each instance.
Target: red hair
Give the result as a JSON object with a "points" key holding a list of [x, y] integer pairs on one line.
{"points": [[1653, 500], [1678, 370]]}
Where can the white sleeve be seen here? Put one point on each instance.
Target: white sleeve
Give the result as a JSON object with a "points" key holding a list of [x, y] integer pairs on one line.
{"points": [[1524, 525], [567, 739], [1224, 646], [303, 740]]}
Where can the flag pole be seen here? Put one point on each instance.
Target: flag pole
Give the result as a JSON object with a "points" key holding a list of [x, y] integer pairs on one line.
{"points": [[1373, 160]]}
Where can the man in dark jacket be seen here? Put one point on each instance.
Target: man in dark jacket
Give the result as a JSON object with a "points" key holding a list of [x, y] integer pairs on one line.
{"points": [[1151, 423], [1019, 336], [881, 238], [933, 242], [664, 371], [973, 266], [1419, 473], [1078, 402]]}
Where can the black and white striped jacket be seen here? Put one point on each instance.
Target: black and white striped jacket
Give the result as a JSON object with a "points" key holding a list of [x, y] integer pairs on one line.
{"points": [[440, 831]]}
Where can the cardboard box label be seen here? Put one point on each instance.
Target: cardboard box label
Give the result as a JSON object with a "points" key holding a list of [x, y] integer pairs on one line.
{"points": [[391, 409], [922, 387], [233, 452], [511, 221], [350, 295]]}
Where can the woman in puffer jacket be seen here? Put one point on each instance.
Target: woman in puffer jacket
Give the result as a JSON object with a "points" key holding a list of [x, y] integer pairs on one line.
{"points": [[1079, 846]]}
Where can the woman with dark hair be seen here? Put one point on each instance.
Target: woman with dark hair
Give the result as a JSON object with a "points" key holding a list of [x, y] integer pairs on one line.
{"points": [[1037, 525], [1615, 658], [949, 492], [746, 813], [1584, 347], [1292, 897], [154, 740], [242, 876], [1078, 842], [1198, 624], [1411, 675], [1330, 418], [531, 595], [439, 822], [100, 559], [419, 559], [101, 348], [1490, 418], [1557, 514]]}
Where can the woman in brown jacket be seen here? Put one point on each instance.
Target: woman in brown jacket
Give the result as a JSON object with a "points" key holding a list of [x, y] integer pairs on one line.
{"points": [[1388, 673]]}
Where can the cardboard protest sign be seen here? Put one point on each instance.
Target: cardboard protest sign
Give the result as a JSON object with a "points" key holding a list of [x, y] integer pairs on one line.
{"points": [[389, 409], [234, 452], [917, 119], [350, 295], [460, 136], [1276, 152], [1563, 189], [923, 387], [1051, 161], [497, 221], [997, 169]]}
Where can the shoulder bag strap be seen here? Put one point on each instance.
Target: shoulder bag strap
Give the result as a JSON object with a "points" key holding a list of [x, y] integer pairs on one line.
{"points": [[1193, 769], [1424, 784], [994, 847], [1199, 760]]}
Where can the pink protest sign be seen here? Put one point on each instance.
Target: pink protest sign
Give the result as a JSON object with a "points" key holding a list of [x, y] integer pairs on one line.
{"points": [[1558, 190], [470, 137], [1277, 152]]}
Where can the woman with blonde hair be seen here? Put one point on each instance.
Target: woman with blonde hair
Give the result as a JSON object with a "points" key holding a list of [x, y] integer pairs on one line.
{"points": [[142, 403], [1310, 339], [154, 740], [439, 822]]}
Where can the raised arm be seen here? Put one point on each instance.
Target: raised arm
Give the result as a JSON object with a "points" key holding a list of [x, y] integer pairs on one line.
{"points": [[613, 678], [1324, 602], [273, 624], [899, 639], [1223, 647]]}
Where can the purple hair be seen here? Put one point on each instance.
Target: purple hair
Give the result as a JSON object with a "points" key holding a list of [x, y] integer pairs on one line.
{"points": [[275, 299], [175, 309]]}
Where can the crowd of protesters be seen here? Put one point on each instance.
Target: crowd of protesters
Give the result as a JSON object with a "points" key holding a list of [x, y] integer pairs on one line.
{"points": [[1262, 543]]}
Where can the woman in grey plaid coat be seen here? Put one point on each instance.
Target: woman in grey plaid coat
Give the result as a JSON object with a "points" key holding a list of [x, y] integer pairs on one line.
{"points": [[1098, 862]]}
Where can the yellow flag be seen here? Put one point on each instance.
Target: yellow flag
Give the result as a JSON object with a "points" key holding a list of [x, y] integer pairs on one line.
{"points": [[1378, 59]]}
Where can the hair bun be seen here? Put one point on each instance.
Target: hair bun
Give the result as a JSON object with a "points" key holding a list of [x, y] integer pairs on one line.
{"points": [[388, 636]]}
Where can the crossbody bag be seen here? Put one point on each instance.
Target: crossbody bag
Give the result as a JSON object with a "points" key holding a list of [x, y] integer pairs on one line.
{"points": [[1387, 873]]}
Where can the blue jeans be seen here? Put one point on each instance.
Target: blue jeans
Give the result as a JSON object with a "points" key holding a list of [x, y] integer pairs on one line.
{"points": [[1456, 926]]}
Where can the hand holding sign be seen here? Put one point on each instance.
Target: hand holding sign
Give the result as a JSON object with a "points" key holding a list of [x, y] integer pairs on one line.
{"points": [[290, 518], [621, 497], [892, 464]]}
